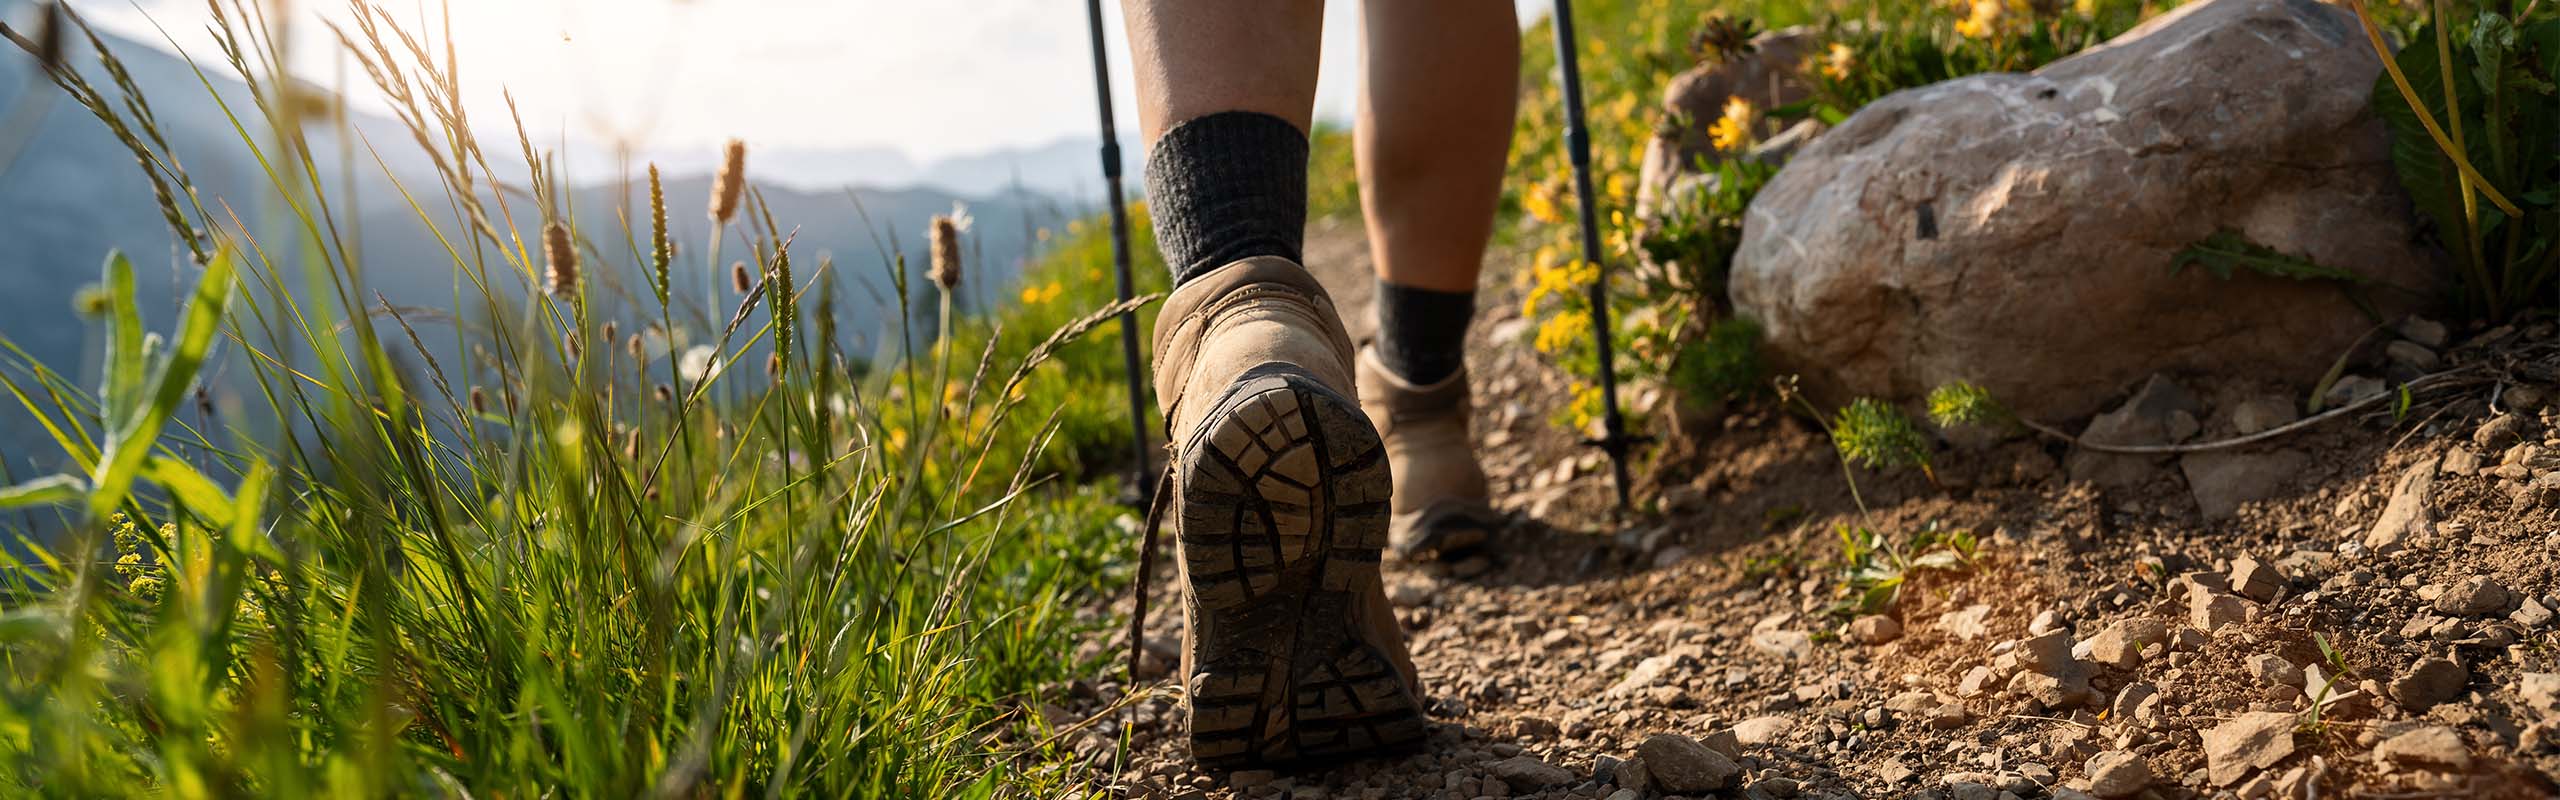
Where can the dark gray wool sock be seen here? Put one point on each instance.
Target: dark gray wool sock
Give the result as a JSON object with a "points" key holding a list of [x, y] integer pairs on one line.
{"points": [[1225, 187], [1422, 333]]}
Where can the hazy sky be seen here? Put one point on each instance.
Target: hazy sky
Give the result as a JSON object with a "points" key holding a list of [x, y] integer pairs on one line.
{"points": [[930, 77]]}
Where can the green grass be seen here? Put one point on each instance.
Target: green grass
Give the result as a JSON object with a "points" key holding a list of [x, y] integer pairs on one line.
{"points": [[547, 568]]}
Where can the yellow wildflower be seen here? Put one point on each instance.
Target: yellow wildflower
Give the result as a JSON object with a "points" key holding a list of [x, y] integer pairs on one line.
{"points": [[1540, 202], [1984, 20], [1563, 331], [1839, 61], [1733, 130]]}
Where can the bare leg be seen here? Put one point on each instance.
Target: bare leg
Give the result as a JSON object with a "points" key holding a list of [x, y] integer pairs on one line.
{"points": [[1436, 107], [1194, 58]]}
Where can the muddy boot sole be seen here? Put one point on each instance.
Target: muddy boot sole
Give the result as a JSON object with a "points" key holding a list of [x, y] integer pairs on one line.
{"points": [[1284, 503]]}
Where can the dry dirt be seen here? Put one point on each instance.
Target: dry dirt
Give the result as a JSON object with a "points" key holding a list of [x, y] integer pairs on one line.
{"points": [[2098, 627]]}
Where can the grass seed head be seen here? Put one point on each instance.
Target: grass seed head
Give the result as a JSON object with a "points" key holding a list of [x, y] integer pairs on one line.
{"points": [[479, 400], [738, 279], [562, 257], [946, 252], [731, 183]]}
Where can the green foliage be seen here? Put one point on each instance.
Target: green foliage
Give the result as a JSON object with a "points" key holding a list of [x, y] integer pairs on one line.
{"points": [[1873, 434], [2486, 86], [1723, 365], [546, 569], [2227, 252], [1902, 44], [1873, 567], [1964, 403]]}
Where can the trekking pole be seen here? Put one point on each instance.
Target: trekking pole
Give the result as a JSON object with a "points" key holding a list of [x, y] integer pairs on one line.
{"points": [[1140, 480], [1577, 142]]}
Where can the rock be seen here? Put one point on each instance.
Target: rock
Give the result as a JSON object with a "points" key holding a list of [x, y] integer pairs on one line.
{"points": [[2433, 747], [2500, 432], [2209, 610], [2527, 397], [1791, 645], [2274, 670], [2263, 413], [2424, 331], [2250, 741], [2160, 412], [1251, 778], [1725, 742], [2116, 774], [1971, 622], [1647, 674], [1528, 774], [2120, 645], [1874, 629], [2353, 388], [2540, 692], [2223, 480], [2066, 690], [1632, 775], [2011, 229], [2046, 621], [1767, 76], [2472, 597], [2406, 519], [2138, 702], [2429, 682], [1765, 729], [2531, 614], [2414, 355], [2255, 579], [1677, 764]]}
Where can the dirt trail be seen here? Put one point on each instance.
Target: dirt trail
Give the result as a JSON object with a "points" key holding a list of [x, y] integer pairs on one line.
{"points": [[2097, 643]]}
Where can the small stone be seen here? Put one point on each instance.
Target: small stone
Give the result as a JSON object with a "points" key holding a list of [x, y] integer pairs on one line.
{"points": [[2353, 388], [2136, 702], [2116, 774], [1244, 779], [2433, 747], [2424, 331], [2499, 432], [2429, 682], [2413, 354], [1647, 674], [2263, 413], [2049, 654], [2249, 741], [1948, 717], [1677, 764], [2531, 614], [1969, 623], [2256, 580], [1790, 645], [2405, 519], [2472, 597], [1528, 774], [2120, 645], [1976, 681], [2274, 670], [2047, 621], [1874, 629], [2070, 689], [1632, 775], [1766, 729], [2540, 692], [2209, 611]]}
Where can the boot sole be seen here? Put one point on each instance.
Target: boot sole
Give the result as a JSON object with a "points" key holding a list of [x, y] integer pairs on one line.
{"points": [[1284, 503]]}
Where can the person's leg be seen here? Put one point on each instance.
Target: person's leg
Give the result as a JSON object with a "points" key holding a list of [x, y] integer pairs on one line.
{"points": [[1279, 483], [1436, 106], [1438, 91]]}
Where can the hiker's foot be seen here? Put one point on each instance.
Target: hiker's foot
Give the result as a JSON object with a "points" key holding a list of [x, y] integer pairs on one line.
{"points": [[1439, 505], [1281, 486]]}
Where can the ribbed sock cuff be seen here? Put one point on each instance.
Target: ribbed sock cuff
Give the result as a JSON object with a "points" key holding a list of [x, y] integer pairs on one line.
{"points": [[1422, 333], [1226, 187]]}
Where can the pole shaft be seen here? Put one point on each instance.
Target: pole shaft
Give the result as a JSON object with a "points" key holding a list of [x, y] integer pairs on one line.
{"points": [[1577, 138], [1138, 474]]}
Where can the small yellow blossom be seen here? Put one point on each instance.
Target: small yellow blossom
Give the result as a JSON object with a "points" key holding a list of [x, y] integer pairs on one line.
{"points": [[1984, 20], [1839, 61], [1733, 130]]}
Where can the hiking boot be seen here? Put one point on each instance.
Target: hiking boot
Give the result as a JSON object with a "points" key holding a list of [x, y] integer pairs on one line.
{"points": [[1280, 495], [1439, 504]]}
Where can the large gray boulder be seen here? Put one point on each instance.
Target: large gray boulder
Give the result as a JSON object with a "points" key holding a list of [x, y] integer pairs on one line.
{"points": [[2019, 231]]}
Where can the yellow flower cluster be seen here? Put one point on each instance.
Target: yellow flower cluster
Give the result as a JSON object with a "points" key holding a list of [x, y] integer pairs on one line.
{"points": [[1035, 295], [1983, 20], [1733, 130], [1839, 61]]}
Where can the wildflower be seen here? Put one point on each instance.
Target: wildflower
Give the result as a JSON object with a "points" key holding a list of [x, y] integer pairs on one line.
{"points": [[730, 183], [129, 566], [1733, 130], [1839, 61], [1540, 202], [147, 587], [562, 257], [1983, 21]]}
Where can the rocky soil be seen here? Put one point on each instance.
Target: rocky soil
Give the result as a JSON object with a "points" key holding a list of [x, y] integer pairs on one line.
{"points": [[2361, 607]]}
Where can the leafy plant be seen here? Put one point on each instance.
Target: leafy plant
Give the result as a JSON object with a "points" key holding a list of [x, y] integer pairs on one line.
{"points": [[2471, 105], [1965, 403], [2227, 252], [1874, 567], [1873, 434]]}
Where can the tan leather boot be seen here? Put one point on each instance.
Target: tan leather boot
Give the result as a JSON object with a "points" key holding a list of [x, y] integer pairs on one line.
{"points": [[1439, 503], [1280, 500]]}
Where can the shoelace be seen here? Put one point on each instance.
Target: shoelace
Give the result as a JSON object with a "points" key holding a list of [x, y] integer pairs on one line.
{"points": [[1162, 489]]}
